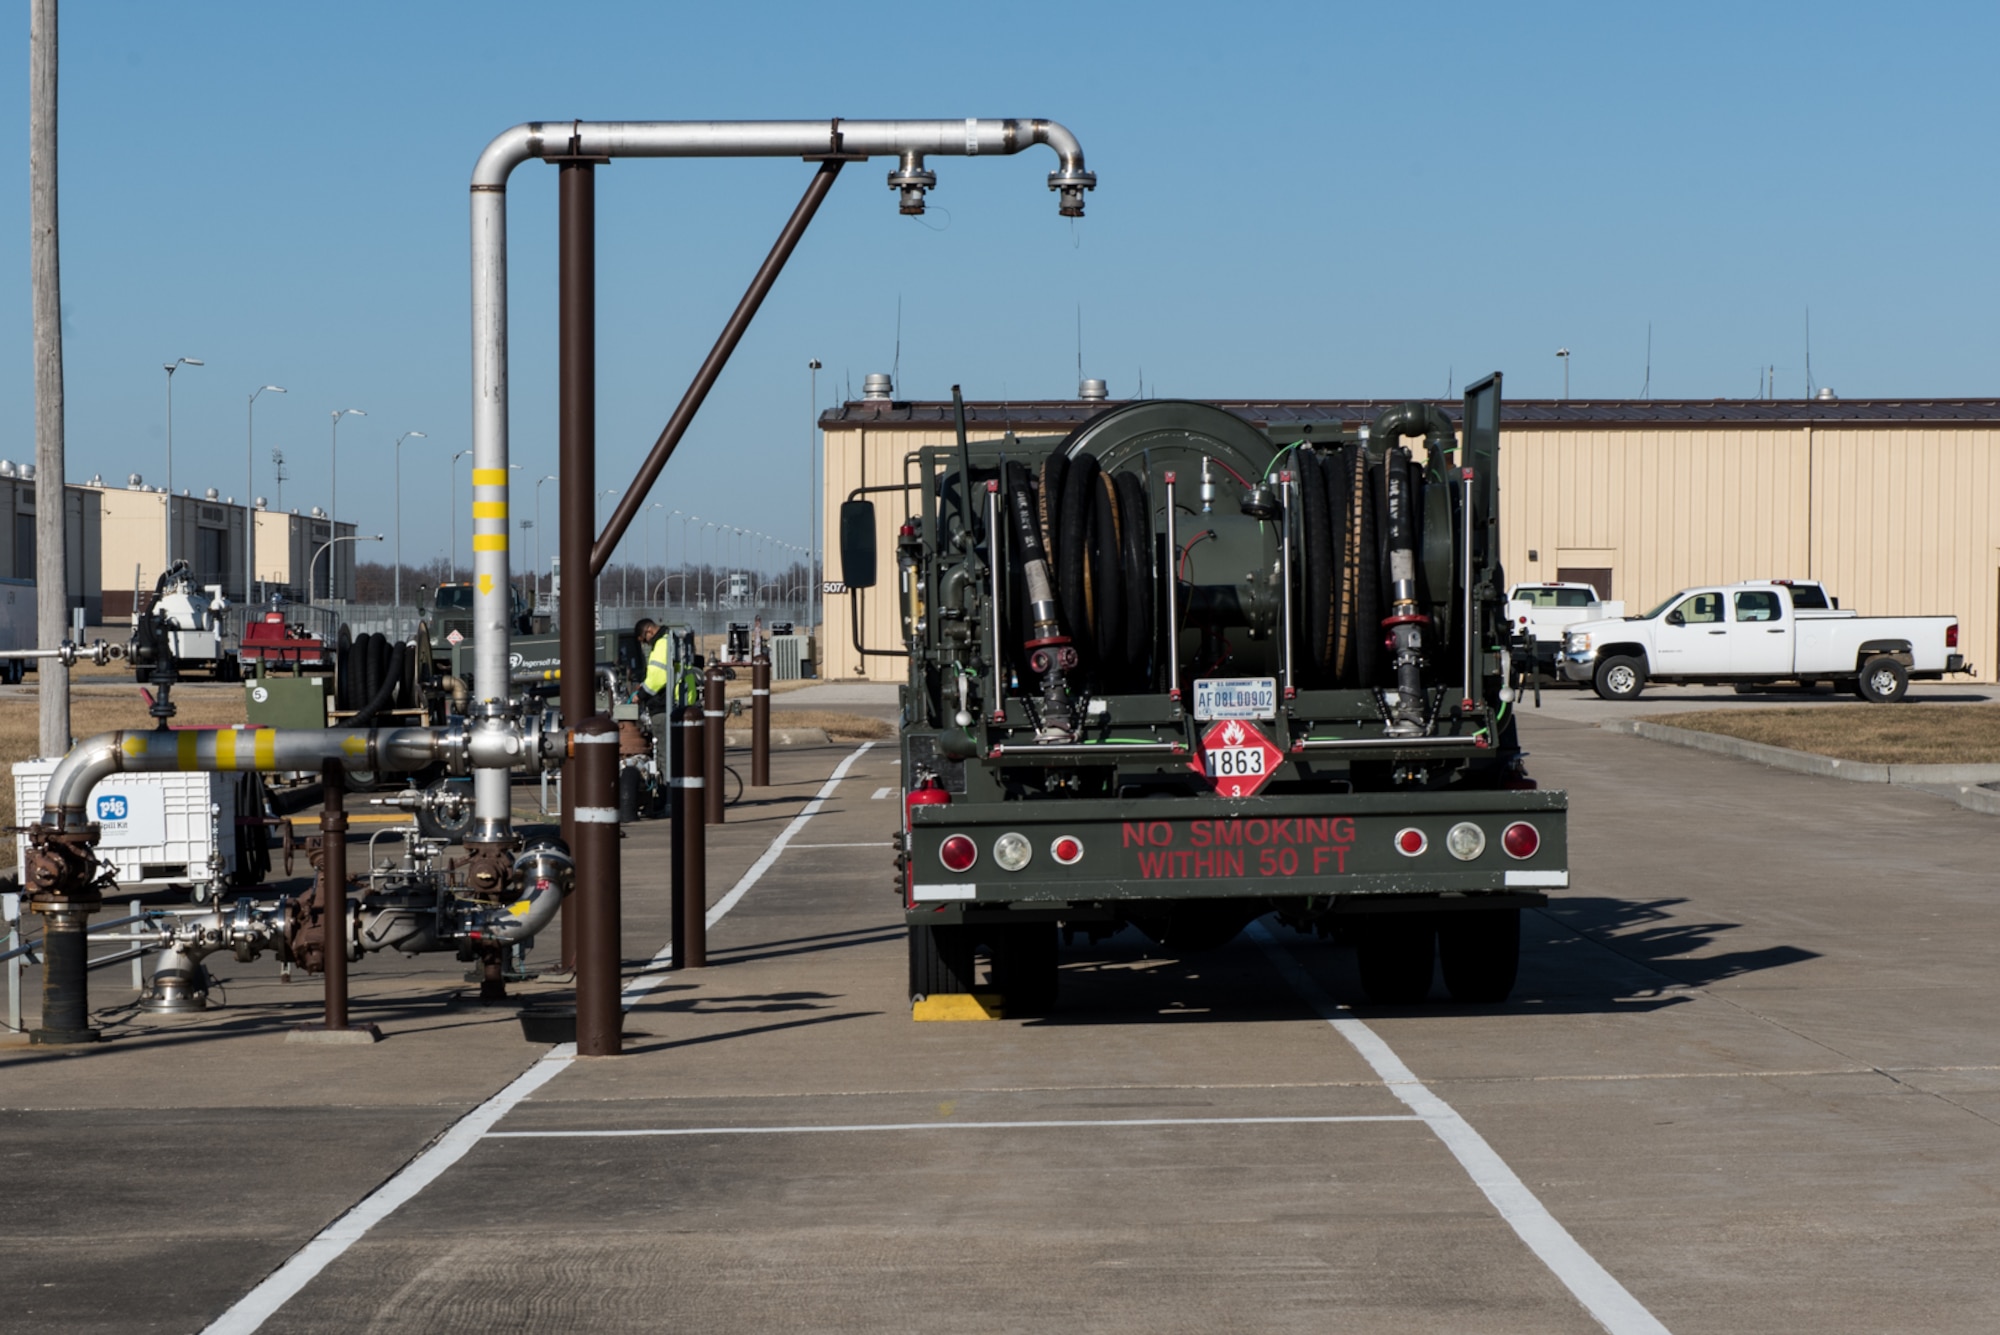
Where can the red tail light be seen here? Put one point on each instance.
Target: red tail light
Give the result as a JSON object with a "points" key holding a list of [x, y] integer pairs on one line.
{"points": [[1411, 841], [1521, 840], [1951, 636], [1067, 850], [958, 853]]}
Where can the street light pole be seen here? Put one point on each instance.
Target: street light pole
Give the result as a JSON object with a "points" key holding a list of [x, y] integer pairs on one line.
{"points": [[454, 512], [250, 493], [550, 477], [323, 548], [333, 501], [812, 485], [399, 513], [171, 367]]}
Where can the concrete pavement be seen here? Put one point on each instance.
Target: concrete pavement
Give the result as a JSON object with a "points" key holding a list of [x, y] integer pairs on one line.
{"points": [[1749, 1069]]}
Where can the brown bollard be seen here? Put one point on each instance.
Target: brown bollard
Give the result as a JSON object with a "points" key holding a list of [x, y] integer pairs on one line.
{"points": [[760, 720], [594, 762], [712, 717], [333, 889], [690, 896]]}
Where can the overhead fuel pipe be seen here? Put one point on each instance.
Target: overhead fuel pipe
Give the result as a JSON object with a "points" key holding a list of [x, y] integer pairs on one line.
{"points": [[1406, 620]]}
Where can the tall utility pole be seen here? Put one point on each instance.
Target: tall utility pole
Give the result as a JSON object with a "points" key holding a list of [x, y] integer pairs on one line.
{"points": [[44, 262], [812, 509]]}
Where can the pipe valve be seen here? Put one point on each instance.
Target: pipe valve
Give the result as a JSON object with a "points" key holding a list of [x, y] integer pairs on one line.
{"points": [[912, 179], [1069, 183]]}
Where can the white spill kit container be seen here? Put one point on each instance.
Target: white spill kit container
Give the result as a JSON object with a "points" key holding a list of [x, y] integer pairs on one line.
{"points": [[169, 827]]}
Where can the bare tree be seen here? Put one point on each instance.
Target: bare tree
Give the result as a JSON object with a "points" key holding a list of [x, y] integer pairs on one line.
{"points": [[51, 537]]}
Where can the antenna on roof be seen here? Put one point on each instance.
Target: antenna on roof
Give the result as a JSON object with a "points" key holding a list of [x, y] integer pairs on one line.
{"points": [[896, 367], [1809, 379], [1646, 390], [1448, 369]]}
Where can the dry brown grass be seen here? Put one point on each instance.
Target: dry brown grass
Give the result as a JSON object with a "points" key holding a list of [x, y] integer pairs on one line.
{"points": [[1873, 734], [94, 709], [841, 727]]}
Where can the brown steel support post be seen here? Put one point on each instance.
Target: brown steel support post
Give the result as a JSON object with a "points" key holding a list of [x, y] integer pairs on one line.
{"points": [[712, 718], [760, 719], [577, 445], [594, 762], [333, 890], [691, 843]]}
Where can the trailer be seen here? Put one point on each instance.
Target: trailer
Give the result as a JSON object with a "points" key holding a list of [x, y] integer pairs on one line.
{"points": [[1176, 672]]}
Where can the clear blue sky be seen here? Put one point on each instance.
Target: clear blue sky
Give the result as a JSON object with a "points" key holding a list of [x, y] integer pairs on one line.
{"points": [[1295, 200]]}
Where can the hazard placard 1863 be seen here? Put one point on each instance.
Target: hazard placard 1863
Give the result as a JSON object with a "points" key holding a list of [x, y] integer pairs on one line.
{"points": [[1237, 758]]}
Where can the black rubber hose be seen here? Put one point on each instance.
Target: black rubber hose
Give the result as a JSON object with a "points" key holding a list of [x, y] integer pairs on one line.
{"points": [[386, 688], [1107, 580], [1339, 475], [1317, 591], [1073, 550], [343, 683], [1135, 513], [1048, 504], [1371, 556]]}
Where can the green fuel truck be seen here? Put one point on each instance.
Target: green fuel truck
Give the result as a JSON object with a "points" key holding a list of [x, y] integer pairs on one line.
{"points": [[1175, 672]]}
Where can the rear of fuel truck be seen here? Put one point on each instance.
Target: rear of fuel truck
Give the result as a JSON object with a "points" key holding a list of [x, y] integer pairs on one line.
{"points": [[1176, 672]]}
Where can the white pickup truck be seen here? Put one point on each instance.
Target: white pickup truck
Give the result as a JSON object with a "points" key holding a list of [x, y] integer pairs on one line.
{"points": [[1538, 614], [1767, 631]]}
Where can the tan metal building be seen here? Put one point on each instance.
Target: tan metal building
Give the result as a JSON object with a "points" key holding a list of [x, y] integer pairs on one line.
{"points": [[1894, 503], [82, 529]]}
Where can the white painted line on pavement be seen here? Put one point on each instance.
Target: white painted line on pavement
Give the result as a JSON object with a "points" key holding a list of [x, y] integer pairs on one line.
{"points": [[251, 1311], [873, 843], [943, 1126], [1602, 1296], [881, 793], [256, 1307]]}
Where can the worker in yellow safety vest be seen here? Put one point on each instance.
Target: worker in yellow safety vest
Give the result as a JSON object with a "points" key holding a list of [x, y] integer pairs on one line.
{"points": [[660, 667]]}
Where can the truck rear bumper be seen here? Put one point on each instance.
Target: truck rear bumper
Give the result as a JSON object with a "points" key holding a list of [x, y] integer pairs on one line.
{"points": [[1295, 847]]}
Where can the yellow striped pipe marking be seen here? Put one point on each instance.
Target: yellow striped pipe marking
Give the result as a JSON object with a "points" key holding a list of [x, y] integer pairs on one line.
{"points": [[354, 746], [225, 748], [189, 745], [489, 542], [520, 909], [489, 477], [489, 509], [265, 744], [135, 744]]}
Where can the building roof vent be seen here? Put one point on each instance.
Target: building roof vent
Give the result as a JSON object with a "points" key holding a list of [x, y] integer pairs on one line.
{"points": [[318, 513], [262, 503], [7, 468], [1092, 390], [878, 387], [96, 480], [134, 482], [1826, 393], [26, 472], [212, 495]]}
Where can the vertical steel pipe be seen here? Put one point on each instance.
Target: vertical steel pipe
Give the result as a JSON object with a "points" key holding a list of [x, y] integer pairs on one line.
{"points": [[333, 889], [65, 977], [712, 717], [594, 757], [691, 836], [1285, 690], [1171, 583], [760, 718], [577, 485]]}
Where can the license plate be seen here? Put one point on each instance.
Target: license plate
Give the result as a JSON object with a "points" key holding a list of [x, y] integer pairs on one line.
{"points": [[1236, 697]]}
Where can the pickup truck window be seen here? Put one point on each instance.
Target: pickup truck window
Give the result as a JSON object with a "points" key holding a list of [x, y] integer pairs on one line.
{"points": [[1758, 606], [1556, 597], [1701, 609], [1809, 596]]}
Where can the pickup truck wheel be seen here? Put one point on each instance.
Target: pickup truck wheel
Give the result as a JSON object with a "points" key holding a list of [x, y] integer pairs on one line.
{"points": [[1024, 966], [940, 961], [1884, 681], [1395, 952], [1479, 952], [1620, 678]]}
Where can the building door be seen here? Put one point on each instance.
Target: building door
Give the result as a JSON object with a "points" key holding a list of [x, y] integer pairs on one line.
{"points": [[1598, 577]]}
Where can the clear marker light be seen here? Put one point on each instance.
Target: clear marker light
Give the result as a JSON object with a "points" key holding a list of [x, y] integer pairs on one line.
{"points": [[1465, 841], [1012, 851]]}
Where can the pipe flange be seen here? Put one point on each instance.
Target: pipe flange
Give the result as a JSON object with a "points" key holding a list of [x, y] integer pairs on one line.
{"points": [[1070, 183]]}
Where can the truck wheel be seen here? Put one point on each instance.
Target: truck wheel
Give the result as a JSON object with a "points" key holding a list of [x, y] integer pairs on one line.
{"points": [[940, 961], [1395, 952], [1024, 966], [1884, 681], [1479, 953], [1620, 678]]}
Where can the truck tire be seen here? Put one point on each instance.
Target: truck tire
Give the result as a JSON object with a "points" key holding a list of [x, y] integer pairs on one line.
{"points": [[1479, 953], [1395, 952], [1620, 678], [1883, 681], [1024, 966], [940, 961]]}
